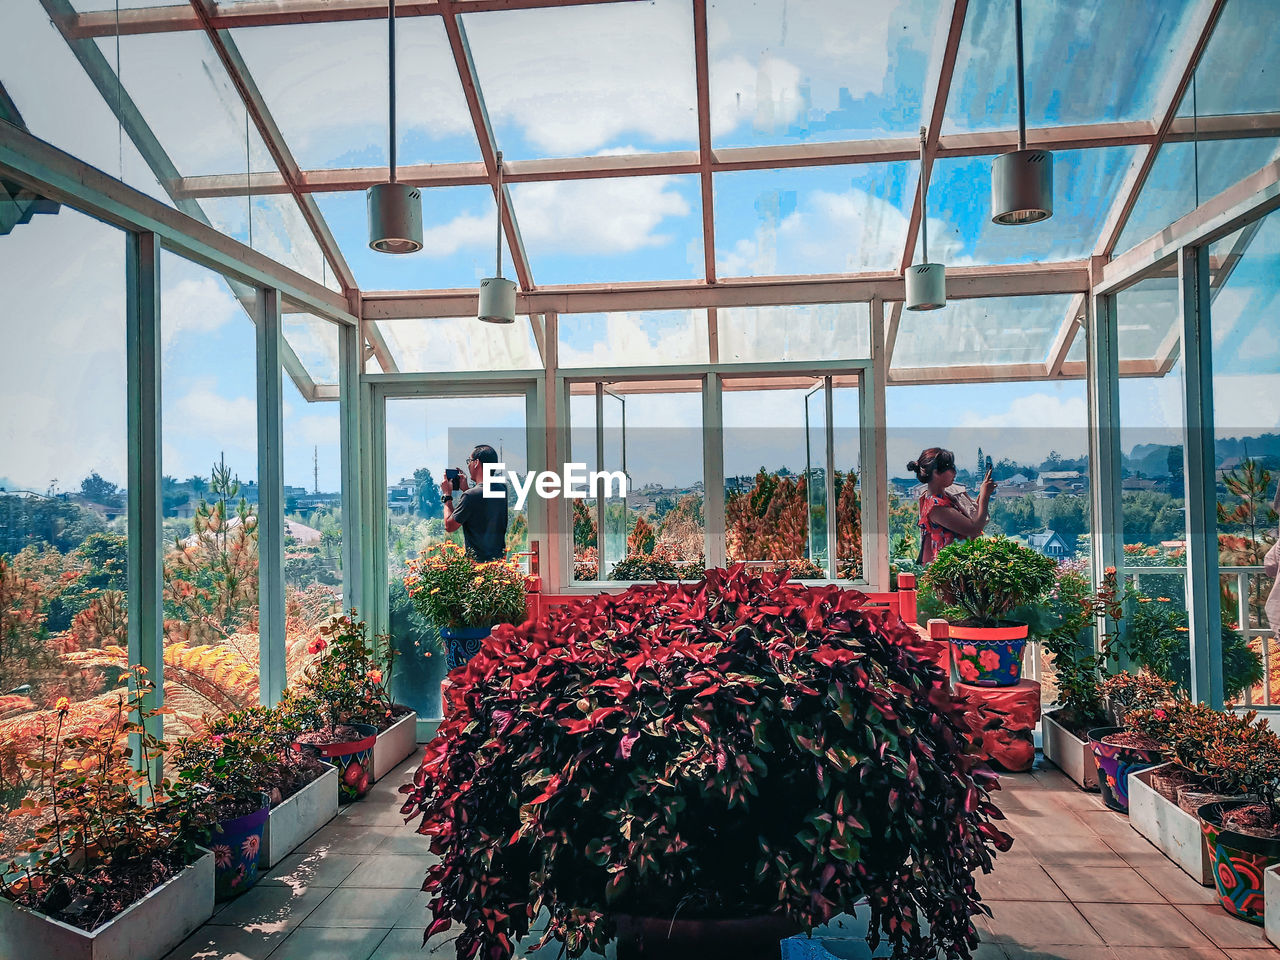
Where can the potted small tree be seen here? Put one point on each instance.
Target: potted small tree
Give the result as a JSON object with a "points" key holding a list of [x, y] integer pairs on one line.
{"points": [[114, 871], [710, 766], [464, 597], [987, 580]]}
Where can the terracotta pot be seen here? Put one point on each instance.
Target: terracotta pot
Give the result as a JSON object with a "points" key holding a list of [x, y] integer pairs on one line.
{"points": [[1116, 763], [353, 758], [988, 656], [1239, 862], [661, 938], [462, 643]]}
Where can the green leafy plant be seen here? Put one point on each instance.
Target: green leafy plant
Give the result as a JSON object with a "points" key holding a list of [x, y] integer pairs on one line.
{"points": [[111, 833], [655, 568], [740, 746], [452, 589], [988, 578], [1126, 692], [347, 681]]}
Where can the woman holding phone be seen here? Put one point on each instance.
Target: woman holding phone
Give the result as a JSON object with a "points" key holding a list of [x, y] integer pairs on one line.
{"points": [[945, 516]]}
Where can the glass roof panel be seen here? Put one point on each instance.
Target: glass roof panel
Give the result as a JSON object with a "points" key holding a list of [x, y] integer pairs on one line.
{"points": [[458, 343], [1246, 301], [1065, 44], [823, 331], [185, 96], [59, 103], [273, 226], [809, 72], [633, 338], [617, 229], [836, 219], [315, 342], [459, 229], [1237, 71], [1147, 317], [1079, 348], [326, 86], [1172, 185], [613, 78], [988, 331], [86, 6], [960, 228]]}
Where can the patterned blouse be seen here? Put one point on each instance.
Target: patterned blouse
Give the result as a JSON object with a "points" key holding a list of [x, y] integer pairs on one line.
{"points": [[934, 536]]}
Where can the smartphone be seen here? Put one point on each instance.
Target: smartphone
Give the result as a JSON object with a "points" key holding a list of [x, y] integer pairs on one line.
{"points": [[453, 474], [989, 465]]}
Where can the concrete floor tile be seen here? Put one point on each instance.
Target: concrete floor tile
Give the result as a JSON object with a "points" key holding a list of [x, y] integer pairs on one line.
{"points": [[1037, 924], [361, 907], [1102, 884], [225, 943], [1222, 928], [271, 908], [338, 943], [1018, 881], [314, 869], [1174, 885], [390, 870], [1016, 951], [405, 840], [340, 837], [371, 814], [1143, 925], [1255, 954], [416, 913], [1079, 849]]}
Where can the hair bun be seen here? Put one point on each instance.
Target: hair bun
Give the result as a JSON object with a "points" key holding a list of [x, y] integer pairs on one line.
{"points": [[913, 466]]}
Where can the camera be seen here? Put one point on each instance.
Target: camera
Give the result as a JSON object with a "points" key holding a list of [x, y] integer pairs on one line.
{"points": [[989, 465], [453, 474]]}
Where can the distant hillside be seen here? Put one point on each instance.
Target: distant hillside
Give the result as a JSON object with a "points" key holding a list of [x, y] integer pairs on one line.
{"points": [[1152, 459]]}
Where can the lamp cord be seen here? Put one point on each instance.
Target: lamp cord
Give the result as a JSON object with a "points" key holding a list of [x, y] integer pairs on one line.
{"points": [[924, 195], [1022, 107], [1195, 136], [499, 273], [391, 84]]}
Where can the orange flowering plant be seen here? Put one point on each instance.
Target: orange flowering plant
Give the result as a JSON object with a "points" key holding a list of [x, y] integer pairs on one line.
{"points": [[452, 589], [348, 679]]}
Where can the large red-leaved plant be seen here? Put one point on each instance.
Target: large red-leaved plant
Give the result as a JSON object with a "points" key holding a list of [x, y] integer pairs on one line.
{"points": [[738, 746]]}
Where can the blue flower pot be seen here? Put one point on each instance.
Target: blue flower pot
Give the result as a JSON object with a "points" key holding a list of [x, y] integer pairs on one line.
{"points": [[236, 846], [462, 643]]}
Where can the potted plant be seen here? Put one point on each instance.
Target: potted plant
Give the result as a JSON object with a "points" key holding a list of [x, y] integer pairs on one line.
{"points": [[113, 871], [1119, 750], [987, 579], [723, 762], [302, 790], [464, 597]]}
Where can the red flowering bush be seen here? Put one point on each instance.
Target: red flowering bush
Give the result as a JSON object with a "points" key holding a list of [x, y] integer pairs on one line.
{"points": [[734, 747]]}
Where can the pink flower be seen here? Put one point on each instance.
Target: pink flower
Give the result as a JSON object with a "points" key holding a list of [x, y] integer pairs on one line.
{"points": [[969, 650], [989, 659], [968, 671], [249, 849], [221, 855]]}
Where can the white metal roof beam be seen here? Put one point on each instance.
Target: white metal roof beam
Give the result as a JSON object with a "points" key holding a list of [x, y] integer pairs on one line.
{"points": [[933, 129], [270, 13], [1196, 39], [702, 76]]}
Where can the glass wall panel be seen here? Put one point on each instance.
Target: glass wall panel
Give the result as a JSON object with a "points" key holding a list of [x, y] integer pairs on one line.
{"points": [[1245, 312], [652, 434], [823, 331], [424, 436], [837, 219], [985, 332], [210, 460], [457, 343], [63, 476], [633, 338], [1152, 494]]}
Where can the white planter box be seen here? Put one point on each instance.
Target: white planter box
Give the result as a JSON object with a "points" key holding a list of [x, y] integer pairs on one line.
{"points": [[1176, 832], [299, 817], [145, 931], [1069, 753], [1271, 904], [394, 744]]}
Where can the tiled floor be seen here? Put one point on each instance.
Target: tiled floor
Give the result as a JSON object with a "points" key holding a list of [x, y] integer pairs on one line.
{"points": [[1079, 884]]}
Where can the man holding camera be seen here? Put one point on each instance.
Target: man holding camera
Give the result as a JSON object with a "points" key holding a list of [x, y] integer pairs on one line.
{"points": [[483, 520]]}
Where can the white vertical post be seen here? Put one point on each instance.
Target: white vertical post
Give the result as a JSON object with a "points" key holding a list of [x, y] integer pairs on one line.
{"points": [[350, 362], [875, 458], [271, 639], [557, 537], [713, 470], [373, 445], [1103, 388], [833, 562], [1203, 589], [146, 528]]}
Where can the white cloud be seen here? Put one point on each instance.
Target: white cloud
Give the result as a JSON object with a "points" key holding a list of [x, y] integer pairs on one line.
{"points": [[675, 336], [199, 303], [205, 419], [609, 216]]}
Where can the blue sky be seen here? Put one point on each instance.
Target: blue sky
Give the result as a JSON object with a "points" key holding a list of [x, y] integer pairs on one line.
{"points": [[619, 79]]}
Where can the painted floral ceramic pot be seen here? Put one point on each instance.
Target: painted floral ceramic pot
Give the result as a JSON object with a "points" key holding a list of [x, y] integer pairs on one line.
{"points": [[1115, 763], [236, 845], [1239, 861], [988, 656], [353, 758], [462, 643]]}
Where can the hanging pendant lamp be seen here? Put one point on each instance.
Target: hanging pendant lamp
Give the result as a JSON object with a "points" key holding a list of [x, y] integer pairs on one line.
{"points": [[926, 282], [1022, 181], [497, 293], [395, 209]]}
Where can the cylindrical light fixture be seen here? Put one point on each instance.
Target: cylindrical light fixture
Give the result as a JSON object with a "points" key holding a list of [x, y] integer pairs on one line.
{"points": [[926, 283], [395, 209], [497, 293], [1021, 181]]}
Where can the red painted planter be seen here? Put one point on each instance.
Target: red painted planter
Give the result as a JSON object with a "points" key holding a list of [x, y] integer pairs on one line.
{"points": [[988, 656], [354, 760]]}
